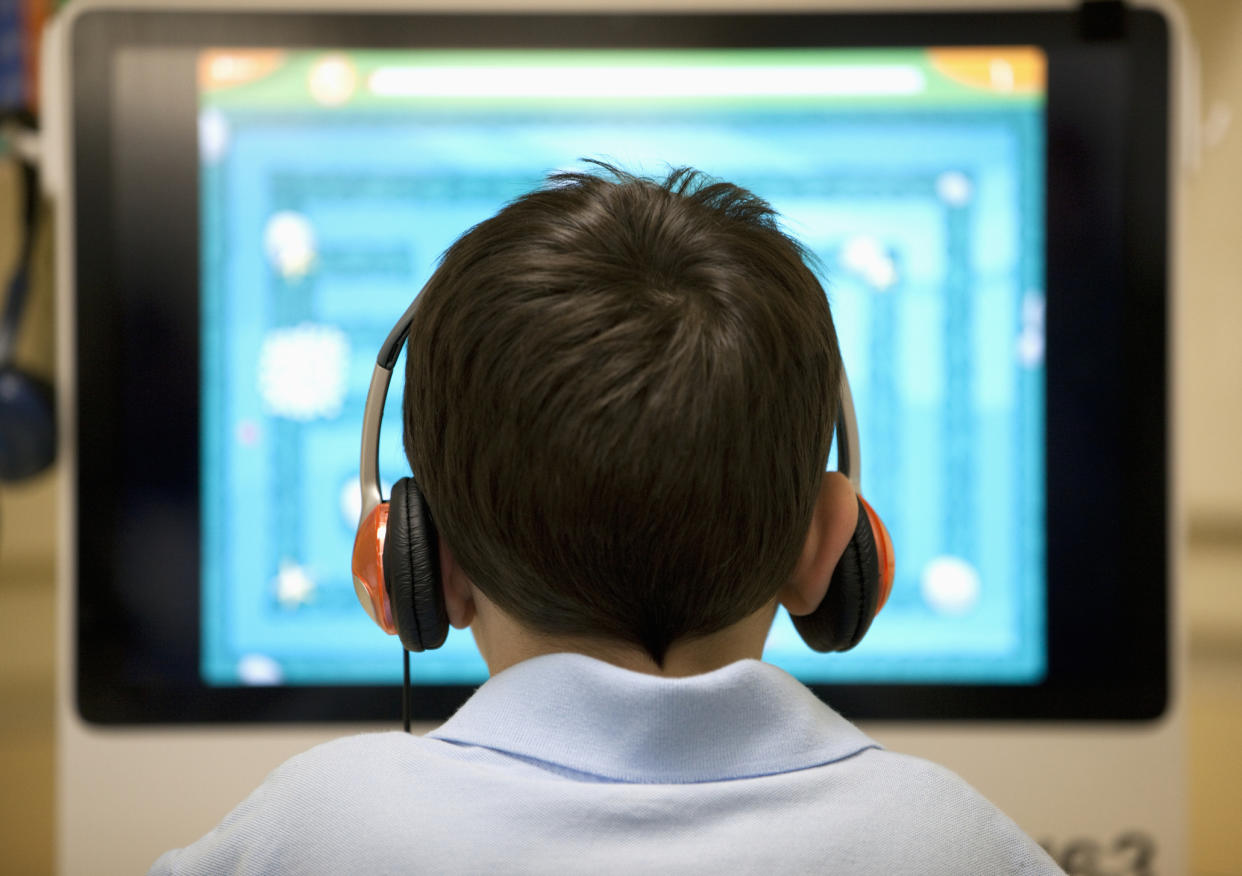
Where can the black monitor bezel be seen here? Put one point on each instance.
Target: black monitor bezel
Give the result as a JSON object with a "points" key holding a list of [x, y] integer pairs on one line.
{"points": [[135, 414]]}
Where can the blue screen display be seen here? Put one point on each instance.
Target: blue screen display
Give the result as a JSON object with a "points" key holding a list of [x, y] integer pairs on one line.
{"points": [[332, 181]]}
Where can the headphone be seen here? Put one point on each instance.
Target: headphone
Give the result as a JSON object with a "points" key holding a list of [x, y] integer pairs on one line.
{"points": [[396, 561], [27, 412]]}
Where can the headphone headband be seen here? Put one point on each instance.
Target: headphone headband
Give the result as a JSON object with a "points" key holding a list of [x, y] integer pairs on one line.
{"points": [[849, 461], [373, 413]]}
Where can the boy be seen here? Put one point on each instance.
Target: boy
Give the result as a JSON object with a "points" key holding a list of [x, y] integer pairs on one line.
{"points": [[619, 402]]}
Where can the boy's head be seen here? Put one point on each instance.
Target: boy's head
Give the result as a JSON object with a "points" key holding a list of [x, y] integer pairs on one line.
{"points": [[619, 403]]}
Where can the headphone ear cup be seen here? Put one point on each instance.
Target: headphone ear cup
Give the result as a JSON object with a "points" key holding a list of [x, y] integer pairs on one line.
{"points": [[412, 570], [27, 425], [853, 597]]}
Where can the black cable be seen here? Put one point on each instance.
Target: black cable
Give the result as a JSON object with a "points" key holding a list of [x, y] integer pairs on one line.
{"points": [[19, 283], [405, 691], [27, 408]]}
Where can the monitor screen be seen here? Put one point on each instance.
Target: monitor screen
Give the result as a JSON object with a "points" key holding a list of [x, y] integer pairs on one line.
{"points": [[330, 182], [256, 198]]}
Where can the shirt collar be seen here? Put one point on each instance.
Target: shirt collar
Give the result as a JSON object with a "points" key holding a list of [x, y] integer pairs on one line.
{"points": [[745, 719]]}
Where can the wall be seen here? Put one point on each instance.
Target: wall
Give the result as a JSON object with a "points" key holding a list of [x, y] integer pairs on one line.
{"points": [[27, 556], [1210, 387]]}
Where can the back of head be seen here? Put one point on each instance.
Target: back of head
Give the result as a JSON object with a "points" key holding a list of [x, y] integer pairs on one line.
{"points": [[619, 403]]}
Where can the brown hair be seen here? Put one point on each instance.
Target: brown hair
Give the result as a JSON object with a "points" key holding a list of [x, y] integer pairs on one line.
{"points": [[619, 402]]}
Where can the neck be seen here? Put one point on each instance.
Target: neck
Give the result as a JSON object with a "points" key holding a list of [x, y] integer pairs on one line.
{"points": [[504, 642]]}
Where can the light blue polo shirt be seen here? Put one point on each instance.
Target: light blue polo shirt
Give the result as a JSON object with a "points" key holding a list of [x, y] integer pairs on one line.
{"points": [[566, 764]]}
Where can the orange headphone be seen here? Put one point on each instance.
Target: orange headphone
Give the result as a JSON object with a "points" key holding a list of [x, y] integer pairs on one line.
{"points": [[396, 562]]}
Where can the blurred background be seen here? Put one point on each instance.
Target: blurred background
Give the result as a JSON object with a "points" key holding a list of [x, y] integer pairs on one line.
{"points": [[1208, 389]]}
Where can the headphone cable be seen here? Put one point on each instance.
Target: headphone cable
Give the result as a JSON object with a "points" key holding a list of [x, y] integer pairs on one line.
{"points": [[405, 691]]}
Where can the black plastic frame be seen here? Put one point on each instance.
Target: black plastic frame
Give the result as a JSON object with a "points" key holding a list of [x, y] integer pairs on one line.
{"points": [[134, 179]]}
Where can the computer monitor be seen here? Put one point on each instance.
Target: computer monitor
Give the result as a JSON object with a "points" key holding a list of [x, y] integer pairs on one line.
{"points": [[258, 197]]}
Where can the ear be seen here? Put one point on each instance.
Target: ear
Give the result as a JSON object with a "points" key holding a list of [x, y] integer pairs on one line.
{"points": [[832, 526], [458, 591]]}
